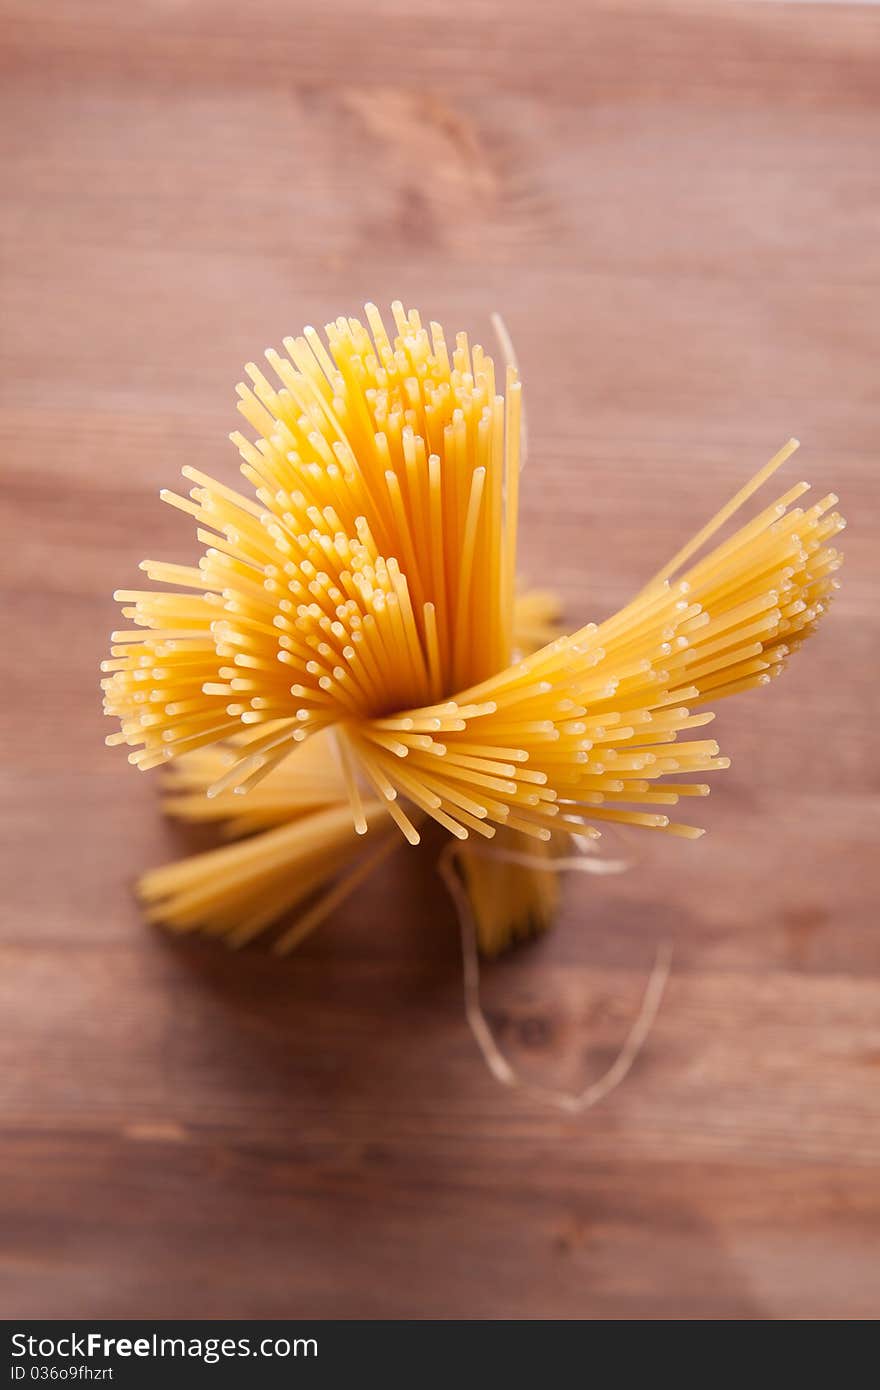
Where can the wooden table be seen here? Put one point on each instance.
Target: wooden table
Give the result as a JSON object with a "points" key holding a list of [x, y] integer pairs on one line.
{"points": [[677, 208]]}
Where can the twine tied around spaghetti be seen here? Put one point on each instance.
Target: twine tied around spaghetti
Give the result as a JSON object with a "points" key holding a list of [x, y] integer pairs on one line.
{"points": [[586, 860]]}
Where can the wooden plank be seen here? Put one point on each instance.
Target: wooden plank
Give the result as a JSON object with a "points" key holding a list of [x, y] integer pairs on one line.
{"points": [[677, 209]]}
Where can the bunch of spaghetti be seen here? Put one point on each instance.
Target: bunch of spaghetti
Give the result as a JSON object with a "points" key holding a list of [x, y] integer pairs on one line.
{"points": [[349, 656]]}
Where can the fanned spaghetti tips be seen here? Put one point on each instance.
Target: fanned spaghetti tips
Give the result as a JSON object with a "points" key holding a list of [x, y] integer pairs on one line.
{"points": [[208, 892], [359, 599]]}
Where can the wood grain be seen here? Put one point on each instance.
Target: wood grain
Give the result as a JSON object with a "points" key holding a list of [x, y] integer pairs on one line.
{"points": [[677, 208]]}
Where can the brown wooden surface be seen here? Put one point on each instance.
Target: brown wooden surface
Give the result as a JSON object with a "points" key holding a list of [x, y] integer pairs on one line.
{"points": [[677, 208]]}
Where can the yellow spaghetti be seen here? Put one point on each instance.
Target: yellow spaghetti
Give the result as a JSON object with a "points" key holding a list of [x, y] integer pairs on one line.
{"points": [[359, 602]]}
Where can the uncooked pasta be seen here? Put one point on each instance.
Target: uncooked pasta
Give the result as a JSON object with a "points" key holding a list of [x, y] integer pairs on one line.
{"points": [[349, 655]]}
